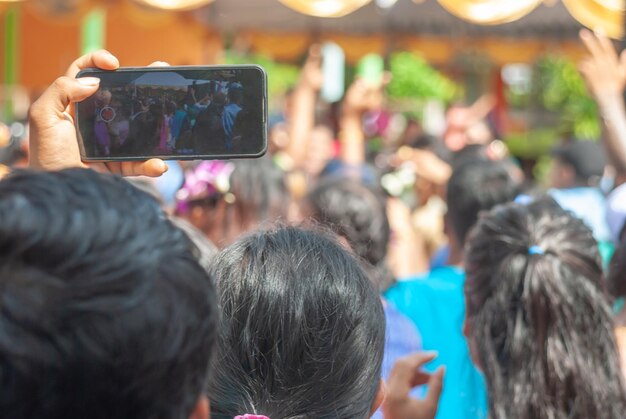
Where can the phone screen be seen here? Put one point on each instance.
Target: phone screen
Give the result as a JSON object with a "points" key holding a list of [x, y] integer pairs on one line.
{"points": [[174, 113]]}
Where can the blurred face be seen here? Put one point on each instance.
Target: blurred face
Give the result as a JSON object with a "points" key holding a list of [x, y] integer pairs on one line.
{"points": [[561, 175], [279, 138], [319, 150], [103, 98]]}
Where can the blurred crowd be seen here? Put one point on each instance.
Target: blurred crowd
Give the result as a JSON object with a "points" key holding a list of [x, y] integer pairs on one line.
{"points": [[426, 277]]}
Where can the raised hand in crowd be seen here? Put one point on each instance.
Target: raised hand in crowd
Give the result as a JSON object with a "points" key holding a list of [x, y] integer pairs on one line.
{"points": [[405, 375], [605, 74], [426, 164], [302, 118], [53, 142], [407, 250], [360, 98]]}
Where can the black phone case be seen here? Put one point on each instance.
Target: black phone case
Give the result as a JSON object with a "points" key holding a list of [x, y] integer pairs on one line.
{"points": [[93, 71]]}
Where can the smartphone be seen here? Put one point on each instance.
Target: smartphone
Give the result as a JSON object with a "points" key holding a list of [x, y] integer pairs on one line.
{"points": [[176, 113], [371, 68]]}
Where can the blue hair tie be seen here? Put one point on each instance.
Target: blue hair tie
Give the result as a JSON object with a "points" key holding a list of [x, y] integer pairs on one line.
{"points": [[535, 250]]}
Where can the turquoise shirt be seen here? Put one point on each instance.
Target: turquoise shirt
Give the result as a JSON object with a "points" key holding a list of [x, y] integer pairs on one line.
{"points": [[436, 304]]}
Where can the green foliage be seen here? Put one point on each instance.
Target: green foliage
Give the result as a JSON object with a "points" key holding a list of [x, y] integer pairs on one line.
{"points": [[414, 78], [535, 145], [280, 77], [562, 89]]}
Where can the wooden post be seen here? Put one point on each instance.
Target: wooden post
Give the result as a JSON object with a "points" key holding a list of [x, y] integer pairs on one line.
{"points": [[93, 31], [10, 79]]}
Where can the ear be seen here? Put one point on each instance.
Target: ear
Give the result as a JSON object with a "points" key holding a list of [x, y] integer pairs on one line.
{"points": [[202, 409], [568, 173], [467, 328], [380, 397], [471, 343]]}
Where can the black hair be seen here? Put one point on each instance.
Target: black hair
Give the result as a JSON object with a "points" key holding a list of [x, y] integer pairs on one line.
{"points": [[470, 154], [539, 316], [433, 144], [260, 195], [105, 311], [235, 95], [258, 186], [302, 333], [207, 251], [474, 187], [356, 212], [616, 277]]}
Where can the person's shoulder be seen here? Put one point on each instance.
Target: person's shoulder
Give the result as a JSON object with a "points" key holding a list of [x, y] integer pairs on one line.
{"points": [[438, 280], [444, 273], [578, 193]]}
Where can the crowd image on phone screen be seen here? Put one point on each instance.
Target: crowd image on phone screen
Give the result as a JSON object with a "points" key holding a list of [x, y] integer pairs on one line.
{"points": [[168, 114]]}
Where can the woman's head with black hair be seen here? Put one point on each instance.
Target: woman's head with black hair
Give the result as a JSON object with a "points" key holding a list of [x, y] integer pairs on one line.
{"points": [[616, 278], [357, 213], [302, 331], [226, 199], [105, 311], [538, 318]]}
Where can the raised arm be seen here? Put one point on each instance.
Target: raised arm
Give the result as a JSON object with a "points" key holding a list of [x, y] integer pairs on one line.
{"points": [[361, 97], [605, 74], [304, 96]]}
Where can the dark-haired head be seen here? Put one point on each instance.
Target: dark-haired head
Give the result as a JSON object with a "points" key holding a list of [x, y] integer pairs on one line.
{"points": [[253, 192], [538, 319], [357, 213], [104, 310], [433, 144], [302, 331], [475, 187]]}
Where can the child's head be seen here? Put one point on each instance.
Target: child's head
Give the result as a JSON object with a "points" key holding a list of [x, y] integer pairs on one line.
{"points": [[302, 332], [357, 213], [226, 199], [538, 319]]}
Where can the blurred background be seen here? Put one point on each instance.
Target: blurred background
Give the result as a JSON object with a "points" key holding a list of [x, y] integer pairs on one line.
{"points": [[518, 57]]}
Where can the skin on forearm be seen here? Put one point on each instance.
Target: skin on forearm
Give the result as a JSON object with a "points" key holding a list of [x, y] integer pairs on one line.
{"points": [[302, 122], [408, 256], [614, 115], [352, 139]]}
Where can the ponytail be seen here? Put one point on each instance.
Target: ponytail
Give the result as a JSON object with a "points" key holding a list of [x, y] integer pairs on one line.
{"points": [[539, 316]]}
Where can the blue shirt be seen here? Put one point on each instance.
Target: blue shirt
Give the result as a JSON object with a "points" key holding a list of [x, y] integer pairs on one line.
{"points": [[230, 114], [436, 304]]}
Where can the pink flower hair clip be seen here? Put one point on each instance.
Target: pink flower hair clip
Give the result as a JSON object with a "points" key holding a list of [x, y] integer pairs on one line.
{"points": [[211, 177]]}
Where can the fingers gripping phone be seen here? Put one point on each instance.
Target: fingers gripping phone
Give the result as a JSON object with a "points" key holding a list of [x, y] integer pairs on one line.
{"points": [[181, 113]]}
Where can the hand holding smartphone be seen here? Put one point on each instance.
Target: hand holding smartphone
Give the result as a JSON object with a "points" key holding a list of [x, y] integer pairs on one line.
{"points": [[180, 113]]}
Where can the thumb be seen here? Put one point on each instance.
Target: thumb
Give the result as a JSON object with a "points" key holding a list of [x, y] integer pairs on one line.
{"points": [[64, 91]]}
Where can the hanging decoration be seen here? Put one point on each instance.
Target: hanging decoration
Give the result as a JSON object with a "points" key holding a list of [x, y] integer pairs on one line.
{"points": [[62, 11], [325, 8], [490, 12], [607, 15], [174, 5]]}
